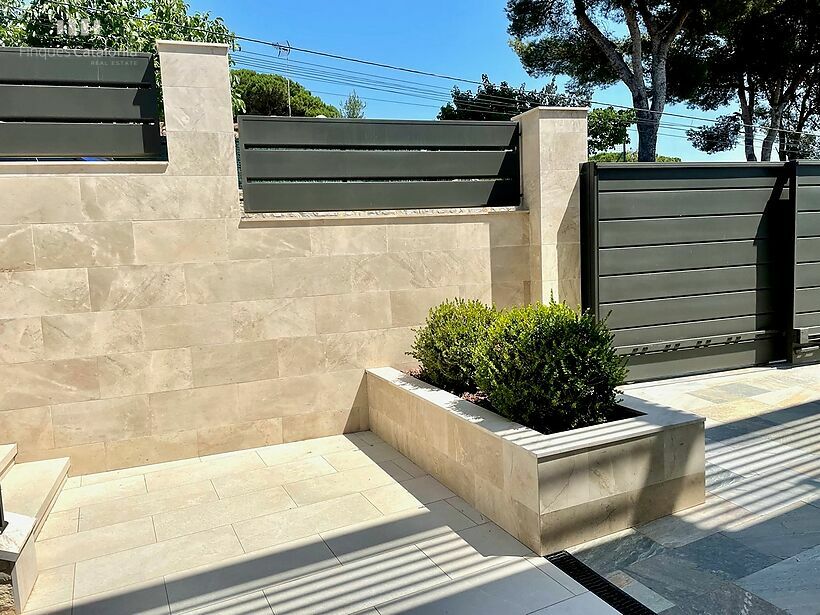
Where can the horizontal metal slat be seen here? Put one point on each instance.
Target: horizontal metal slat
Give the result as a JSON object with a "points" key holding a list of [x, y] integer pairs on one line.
{"points": [[676, 258], [688, 309], [670, 203], [808, 250], [333, 164], [44, 103], [75, 66], [682, 177], [59, 140], [621, 233], [340, 196], [808, 224], [682, 283], [807, 320], [807, 300], [294, 132], [808, 197], [808, 274], [700, 360], [639, 336]]}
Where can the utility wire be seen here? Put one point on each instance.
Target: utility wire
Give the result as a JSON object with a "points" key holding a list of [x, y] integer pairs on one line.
{"points": [[288, 47]]}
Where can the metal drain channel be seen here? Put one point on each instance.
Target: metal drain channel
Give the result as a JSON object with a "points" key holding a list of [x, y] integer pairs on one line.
{"points": [[598, 585]]}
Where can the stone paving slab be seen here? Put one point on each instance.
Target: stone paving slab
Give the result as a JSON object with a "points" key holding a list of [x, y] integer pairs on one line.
{"points": [[754, 546], [343, 524]]}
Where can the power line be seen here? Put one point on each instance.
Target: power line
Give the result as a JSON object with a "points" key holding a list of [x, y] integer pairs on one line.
{"points": [[288, 48]]}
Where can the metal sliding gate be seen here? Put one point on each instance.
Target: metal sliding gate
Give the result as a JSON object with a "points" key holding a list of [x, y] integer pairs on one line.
{"points": [[703, 267]]}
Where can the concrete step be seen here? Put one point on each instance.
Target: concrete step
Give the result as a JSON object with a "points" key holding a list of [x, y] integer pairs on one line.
{"points": [[7, 454], [30, 488]]}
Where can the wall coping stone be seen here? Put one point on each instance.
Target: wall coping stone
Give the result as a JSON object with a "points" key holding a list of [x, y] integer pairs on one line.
{"points": [[553, 113], [654, 419], [376, 214], [84, 167], [16, 536], [216, 49]]}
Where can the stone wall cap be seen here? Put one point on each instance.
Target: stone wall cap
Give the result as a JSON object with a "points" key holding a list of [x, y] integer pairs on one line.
{"points": [[164, 46], [554, 113], [15, 536], [83, 167], [654, 418]]}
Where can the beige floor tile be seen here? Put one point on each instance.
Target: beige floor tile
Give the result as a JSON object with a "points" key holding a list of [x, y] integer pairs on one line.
{"points": [[249, 573], [208, 468], [102, 477], [71, 482], [468, 511], [267, 477], [222, 512], [336, 485], [391, 499], [408, 466], [394, 470], [146, 504], [427, 489], [348, 460], [60, 524], [153, 561], [94, 543], [358, 585], [304, 521], [401, 529], [735, 410], [467, 551], [102, 492], [294, 451], [53, 587], [145, 598], [250, 604]]}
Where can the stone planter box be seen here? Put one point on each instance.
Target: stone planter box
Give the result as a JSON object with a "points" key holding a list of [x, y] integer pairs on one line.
{"points": [[549, 491]]}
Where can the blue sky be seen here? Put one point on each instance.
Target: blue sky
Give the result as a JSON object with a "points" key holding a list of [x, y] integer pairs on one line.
{"points": [[462, 38]]}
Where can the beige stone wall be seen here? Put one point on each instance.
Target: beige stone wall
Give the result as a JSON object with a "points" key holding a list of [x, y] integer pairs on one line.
{"points": [[142, 319]]}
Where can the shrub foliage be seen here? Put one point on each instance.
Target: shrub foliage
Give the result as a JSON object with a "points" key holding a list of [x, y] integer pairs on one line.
{"points": [[549, 368], [445, 345]]}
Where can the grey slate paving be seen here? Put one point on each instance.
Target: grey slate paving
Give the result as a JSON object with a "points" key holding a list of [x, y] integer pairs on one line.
{"points": [[677, 579], [727, 599], [783, 533], [724, 557], [792, 585], [607, 557]]}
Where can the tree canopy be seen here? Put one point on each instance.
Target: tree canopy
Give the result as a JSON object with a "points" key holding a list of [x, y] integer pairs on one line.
{"points": [[600, 42], [267, 94], [501, 102], [124, 25], [763, 55], [353, 106]]}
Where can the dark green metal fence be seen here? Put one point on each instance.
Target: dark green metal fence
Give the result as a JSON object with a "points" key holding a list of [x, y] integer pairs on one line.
{"points": [[310, 164], [67, 103], [700, 267]]}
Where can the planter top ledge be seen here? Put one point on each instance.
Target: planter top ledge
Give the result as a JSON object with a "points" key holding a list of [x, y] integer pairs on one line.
{"points": [[652, 419]]}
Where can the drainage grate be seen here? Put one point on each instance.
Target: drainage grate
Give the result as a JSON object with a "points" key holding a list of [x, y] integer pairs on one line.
{"points": [[598, 585]]}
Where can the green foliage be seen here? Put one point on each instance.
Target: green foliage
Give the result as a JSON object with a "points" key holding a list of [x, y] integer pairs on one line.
{"points": [[353, 107], [608, 128], [549, 368], [267, 94], [445, 345], [631, 156], [492, 102], [124, 25], [12, 27]]}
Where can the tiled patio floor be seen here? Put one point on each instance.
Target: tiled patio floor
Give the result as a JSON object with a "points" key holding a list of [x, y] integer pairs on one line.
{"points": [[754, 546], [342, 524]]}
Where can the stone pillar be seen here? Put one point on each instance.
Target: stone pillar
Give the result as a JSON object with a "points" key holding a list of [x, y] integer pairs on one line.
{"points": [[196, 90], [553, 145]]}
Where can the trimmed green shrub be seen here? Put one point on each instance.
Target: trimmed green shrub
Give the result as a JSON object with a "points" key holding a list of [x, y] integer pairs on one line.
{"points": [[445, 345], [549, 368]]}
